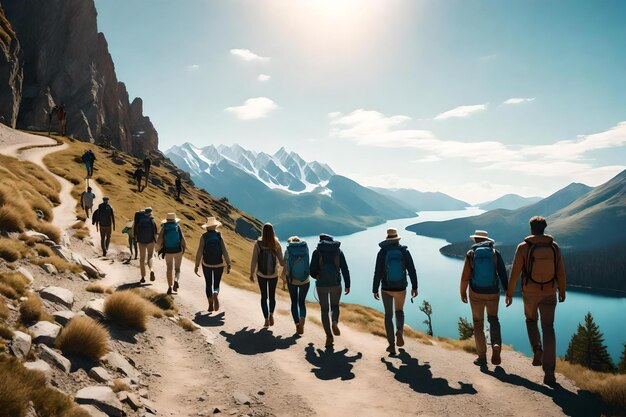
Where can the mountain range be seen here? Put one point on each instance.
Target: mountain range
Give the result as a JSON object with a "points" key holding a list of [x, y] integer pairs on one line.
{"points": [[509, 202], [422, 201]]}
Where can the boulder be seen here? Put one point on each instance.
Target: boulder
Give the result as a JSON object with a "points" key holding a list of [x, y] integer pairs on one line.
{"points": [[246, 229], [58, 295], [91, 270], [54, 358], [49, 243], [156, 181], [40, 366], [95, 309], [119, 363], [133, 401], [63, 317], [99, 374], [102, 398], [36, 235], [20, 344], [149, 406], [62, 253], [49, 268], [45, 332], [26, 274], [92, 411], [241, 398]]}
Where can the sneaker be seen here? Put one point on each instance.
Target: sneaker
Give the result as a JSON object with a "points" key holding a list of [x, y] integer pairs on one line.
{"points": [[336, 331], [142, 280], [271, 320], [169, 290], [216, 302], [538, 358], [175, 286], [549, 380], [391, 349], [329, 341], [480, 361], [152, 277], [495, 355], [267, 323], [399, 339]]}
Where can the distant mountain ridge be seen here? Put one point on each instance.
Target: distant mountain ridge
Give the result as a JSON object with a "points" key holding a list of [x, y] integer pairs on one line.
{"points": [[509, 202], [423, 200]]}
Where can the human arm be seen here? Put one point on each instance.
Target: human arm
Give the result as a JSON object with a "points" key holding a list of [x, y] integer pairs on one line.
{"points": [[226, 256], [345, 272], [112, 218], [410, 267], [466, 275], [82, 200], [199, 254], [159, 242], [183, 241], [156, 231], [254, 261], [279, 254], [378, 273], [504, 278], [560, 274], [516, 270], [314, 267]]}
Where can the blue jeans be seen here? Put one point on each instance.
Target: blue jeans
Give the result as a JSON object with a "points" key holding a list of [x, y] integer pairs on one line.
{"points": [[298, 300]]}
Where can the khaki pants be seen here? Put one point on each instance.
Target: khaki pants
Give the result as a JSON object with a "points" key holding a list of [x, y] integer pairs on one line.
{"points": [[544, 305], [480, 303], [329, 300], [172, 262], [389, 299], [145, 249]]}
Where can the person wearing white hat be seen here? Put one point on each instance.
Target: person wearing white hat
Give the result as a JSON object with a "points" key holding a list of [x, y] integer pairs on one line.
{"points": [[132, 242], [392, 264], [213, 256], [483, 266], [172, 243]]}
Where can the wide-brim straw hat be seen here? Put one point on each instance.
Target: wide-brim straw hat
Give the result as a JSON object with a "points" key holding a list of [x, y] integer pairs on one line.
{"points": [[392, 234], [481, 234], [171, 217], [211, 223]]}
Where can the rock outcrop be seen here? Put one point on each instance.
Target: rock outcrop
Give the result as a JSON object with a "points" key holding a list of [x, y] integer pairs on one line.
{"points": [[10, 72], [67, 62]]}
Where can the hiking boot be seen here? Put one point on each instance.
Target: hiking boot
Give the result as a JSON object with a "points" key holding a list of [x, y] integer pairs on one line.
{"points": [[267, 323], [329, 341], [549, 379], [152, 277], [210, 299], [271, 320], [216, 302], [336, 331], [399, 339], [391, 349], [142, 280], [169, 290], [495, 355], [480, 361], [175, 286], [538, 358], [300, 326]]}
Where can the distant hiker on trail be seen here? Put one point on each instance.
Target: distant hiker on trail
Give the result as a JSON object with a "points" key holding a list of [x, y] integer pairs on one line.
{"points": [[538, 259], [296, 274], [61, 117], [171, 242], [179, 187], [213, 256], [392, 264], [89, 159], [104, 219], [483, 266], [266, 256], [132, 243], [145, 232], [138, 175], [147, 163], [86, 201], [328, 265]]}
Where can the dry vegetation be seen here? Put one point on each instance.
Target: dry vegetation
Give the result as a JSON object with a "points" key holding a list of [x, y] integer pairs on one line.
{"points": [[187, 324], [60, 264], [127, 309], [611, 387], [13, 284], [85, 337], [119, 385], [12, 250], [4, 311], [31, 310], [98, 288], [5, 332]]}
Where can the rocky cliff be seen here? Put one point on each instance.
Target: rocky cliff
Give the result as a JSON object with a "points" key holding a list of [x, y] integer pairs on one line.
{"points": [[10, 72], [66, 61]]}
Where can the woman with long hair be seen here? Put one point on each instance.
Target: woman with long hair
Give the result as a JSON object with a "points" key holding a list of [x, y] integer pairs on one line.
{"points": [[266, 256]]}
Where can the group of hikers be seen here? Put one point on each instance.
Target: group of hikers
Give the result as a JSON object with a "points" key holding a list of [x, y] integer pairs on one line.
{"points": [[143, 172]]}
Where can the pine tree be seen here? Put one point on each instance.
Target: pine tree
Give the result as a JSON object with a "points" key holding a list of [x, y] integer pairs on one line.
{"points": [[587, 347], [621, 368], [466, 329], [427, 309]]}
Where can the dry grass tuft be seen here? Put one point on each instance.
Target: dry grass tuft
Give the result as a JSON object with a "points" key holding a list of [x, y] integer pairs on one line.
{"points": [[85, 337], [61, 264], [8, 291], [187, 324], [31, 310], [43, 250], [5, 332], [4, 311], [98, 289], [15, 281], [161, 300], [127, 309], [119, 385], [77, 412], [10, 219], [12, 250], [50, 230], [610, 387], [81, 234]]}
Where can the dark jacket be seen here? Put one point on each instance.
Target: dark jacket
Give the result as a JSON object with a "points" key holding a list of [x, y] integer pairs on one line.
{"points": [[327, 245], [379, 271], [468, 270], [105, 216]]}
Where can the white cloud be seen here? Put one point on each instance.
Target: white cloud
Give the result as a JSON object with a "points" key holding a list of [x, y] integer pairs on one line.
{"points": [[461, 111], [247, 55], [253, 108], [263, 77], [427, 159], [518, 100], [193, 67]]}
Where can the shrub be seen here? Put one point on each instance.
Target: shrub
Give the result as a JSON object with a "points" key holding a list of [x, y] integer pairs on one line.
{"points": [[4, 311], [611, 387], [187, 324], [5, 332], [10, 250], [10, 219], [31, 310], [43, 250], [8, 291], [50, 230], [83, 336], [98, 289], [119, 385], [81, 234], [161, 300], [126, 309], [466, 329], [60, 264]]}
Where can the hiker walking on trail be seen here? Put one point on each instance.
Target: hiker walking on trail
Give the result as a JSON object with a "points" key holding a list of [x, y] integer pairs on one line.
{"points": [[104, 219], [61, 117], [171, 242], [538, 259], [484, 271], [179, 186], [392, 264], [86, 201], [328, 265], [296, 275], [266, 256], [213, 256], [147, 164], [132, 243], [89, 159], [145, 233], [138, 175]]}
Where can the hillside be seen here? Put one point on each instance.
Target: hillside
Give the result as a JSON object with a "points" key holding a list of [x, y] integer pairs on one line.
{"points": [[508, 202], [423, 201]]}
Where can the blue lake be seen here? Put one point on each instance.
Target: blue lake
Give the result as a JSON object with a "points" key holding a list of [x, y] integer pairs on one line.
{"points": [[439, 277]]}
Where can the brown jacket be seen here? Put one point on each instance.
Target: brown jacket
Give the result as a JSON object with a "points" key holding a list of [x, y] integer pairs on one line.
{"points": [[521, 261]]}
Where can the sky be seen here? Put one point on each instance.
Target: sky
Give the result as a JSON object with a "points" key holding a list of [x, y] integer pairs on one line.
{"points": [[472, 98]]}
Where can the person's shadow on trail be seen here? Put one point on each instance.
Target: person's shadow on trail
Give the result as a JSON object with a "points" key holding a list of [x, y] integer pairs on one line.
{"points": [[581, 404], [204, 319], [420, 378], [329, 364], [250, 342]]}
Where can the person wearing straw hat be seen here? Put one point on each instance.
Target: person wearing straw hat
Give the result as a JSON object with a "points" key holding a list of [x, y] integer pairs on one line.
{"points": [[392, 264], [172, 243], [132, 243], [145, 232], [483, 266], [213, 256]]}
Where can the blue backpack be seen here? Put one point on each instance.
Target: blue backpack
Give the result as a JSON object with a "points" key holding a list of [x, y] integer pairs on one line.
{"points": [[171, 236], [395, 269], [298, 266], [484, 273]]}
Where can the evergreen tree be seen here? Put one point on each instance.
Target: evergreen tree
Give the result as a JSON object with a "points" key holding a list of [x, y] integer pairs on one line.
{"points": [[466, 329], [587, 347], [427, 309], [621, 368]]}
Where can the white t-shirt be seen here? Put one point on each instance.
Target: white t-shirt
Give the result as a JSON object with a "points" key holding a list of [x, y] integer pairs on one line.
{"points": [[88, 199]]}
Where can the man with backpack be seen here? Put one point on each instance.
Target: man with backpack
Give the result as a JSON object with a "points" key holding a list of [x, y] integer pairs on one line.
{"points": [[328, 265], [538, 259], [104, 218], [392, 264], [145, 233], [89, 159], [483, 272], [138, 175], [86, 201], [147, 163], [179, 186], [296, 274], [213, 256], [171, 242]]}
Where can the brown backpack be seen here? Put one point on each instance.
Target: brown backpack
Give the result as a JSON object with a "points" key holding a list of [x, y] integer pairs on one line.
{"points": [[541, 264]]}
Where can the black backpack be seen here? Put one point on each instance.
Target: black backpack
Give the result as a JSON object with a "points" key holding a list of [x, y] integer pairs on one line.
{"points": [[329, 268], [212, 254], [105, 215], [145, 228], [267, 260]]}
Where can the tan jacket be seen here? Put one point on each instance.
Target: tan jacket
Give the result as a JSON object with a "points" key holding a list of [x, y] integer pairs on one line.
{"points": [[200, 253], [254, 263], [520, 262]]}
